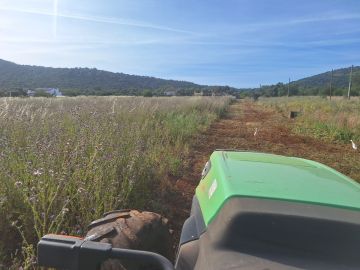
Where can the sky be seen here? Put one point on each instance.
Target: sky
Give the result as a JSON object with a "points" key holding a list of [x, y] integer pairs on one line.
{"points": [[240, 43]]}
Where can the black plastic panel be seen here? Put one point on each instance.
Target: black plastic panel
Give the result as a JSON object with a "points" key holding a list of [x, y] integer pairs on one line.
{"points": [[270, 234], [193, 227]]}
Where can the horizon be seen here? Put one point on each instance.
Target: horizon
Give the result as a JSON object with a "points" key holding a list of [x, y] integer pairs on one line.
{"points": [[238, 43], [240, 88]]}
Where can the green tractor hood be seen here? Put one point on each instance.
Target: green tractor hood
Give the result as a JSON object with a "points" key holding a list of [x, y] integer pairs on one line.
{"points": [[265, 176]]}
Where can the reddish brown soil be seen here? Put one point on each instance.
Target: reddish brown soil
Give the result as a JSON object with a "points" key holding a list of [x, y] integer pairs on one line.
{"points": [[236, 131]]}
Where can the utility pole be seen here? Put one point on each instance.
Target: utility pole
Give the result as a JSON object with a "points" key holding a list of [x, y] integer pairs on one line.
{"points": [[332, 71], [288, 94], [350, 82]]}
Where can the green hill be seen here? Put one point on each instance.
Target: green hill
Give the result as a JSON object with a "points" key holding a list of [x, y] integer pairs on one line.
{"points": [[75, 81], [340, 79], [318, 84], [91, 81]]}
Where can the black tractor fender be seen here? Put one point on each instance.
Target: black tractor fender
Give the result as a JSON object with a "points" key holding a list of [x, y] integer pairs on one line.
{"points": [[193, 227]]}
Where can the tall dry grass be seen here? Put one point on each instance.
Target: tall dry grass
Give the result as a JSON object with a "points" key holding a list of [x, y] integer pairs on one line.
{"points": [[335, 120], [64, 162]]}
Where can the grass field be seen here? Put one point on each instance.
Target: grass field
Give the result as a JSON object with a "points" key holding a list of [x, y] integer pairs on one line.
{"points": [[335, 120], [64, 162]]}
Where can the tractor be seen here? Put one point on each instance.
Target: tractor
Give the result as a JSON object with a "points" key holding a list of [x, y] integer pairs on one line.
{"points": [[250, 211]]}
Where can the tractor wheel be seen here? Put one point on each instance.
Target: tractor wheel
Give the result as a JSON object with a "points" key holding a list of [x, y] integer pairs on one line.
{"points": [[132, 229]]}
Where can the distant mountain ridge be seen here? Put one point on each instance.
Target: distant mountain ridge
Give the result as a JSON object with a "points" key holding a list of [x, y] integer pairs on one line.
{"points": [[340, 78], [317, 84], [82, 80], [91, 81]]}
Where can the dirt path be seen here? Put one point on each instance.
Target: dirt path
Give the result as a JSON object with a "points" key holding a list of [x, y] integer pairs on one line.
{"points": [[236, 131]]}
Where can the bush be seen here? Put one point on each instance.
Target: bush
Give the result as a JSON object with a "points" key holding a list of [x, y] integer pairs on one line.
{"points": [[147, 93]]}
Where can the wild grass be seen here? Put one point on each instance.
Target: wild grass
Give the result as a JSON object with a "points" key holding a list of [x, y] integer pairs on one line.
{"points": [[335, 120], [66, 161]]}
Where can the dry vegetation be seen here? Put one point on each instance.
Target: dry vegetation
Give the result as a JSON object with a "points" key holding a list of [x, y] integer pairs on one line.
{"points": [[335, 120], [64, 162]]}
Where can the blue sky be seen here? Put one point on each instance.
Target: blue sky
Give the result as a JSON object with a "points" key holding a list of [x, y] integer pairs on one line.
{"points": [[241, 43]]}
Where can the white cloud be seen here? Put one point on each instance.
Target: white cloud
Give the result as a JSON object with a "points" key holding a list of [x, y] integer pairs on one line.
{"points": [[98, 19]]}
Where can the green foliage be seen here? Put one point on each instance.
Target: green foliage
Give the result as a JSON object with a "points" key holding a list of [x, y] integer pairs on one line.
{"points": [[325, 131], [66, 161], [13, 92], [147, 93], [318, 85], [86, 81], [42, 93]]}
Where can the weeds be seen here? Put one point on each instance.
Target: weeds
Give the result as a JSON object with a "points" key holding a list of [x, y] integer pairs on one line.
{"points": [[335, 120], [64, 162]]}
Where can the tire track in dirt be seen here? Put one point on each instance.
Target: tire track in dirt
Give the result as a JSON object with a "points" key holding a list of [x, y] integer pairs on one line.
{"points": [[236, 131]]}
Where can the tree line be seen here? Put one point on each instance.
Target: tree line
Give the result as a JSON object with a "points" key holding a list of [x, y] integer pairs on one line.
{"points": [[16, 79]]}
